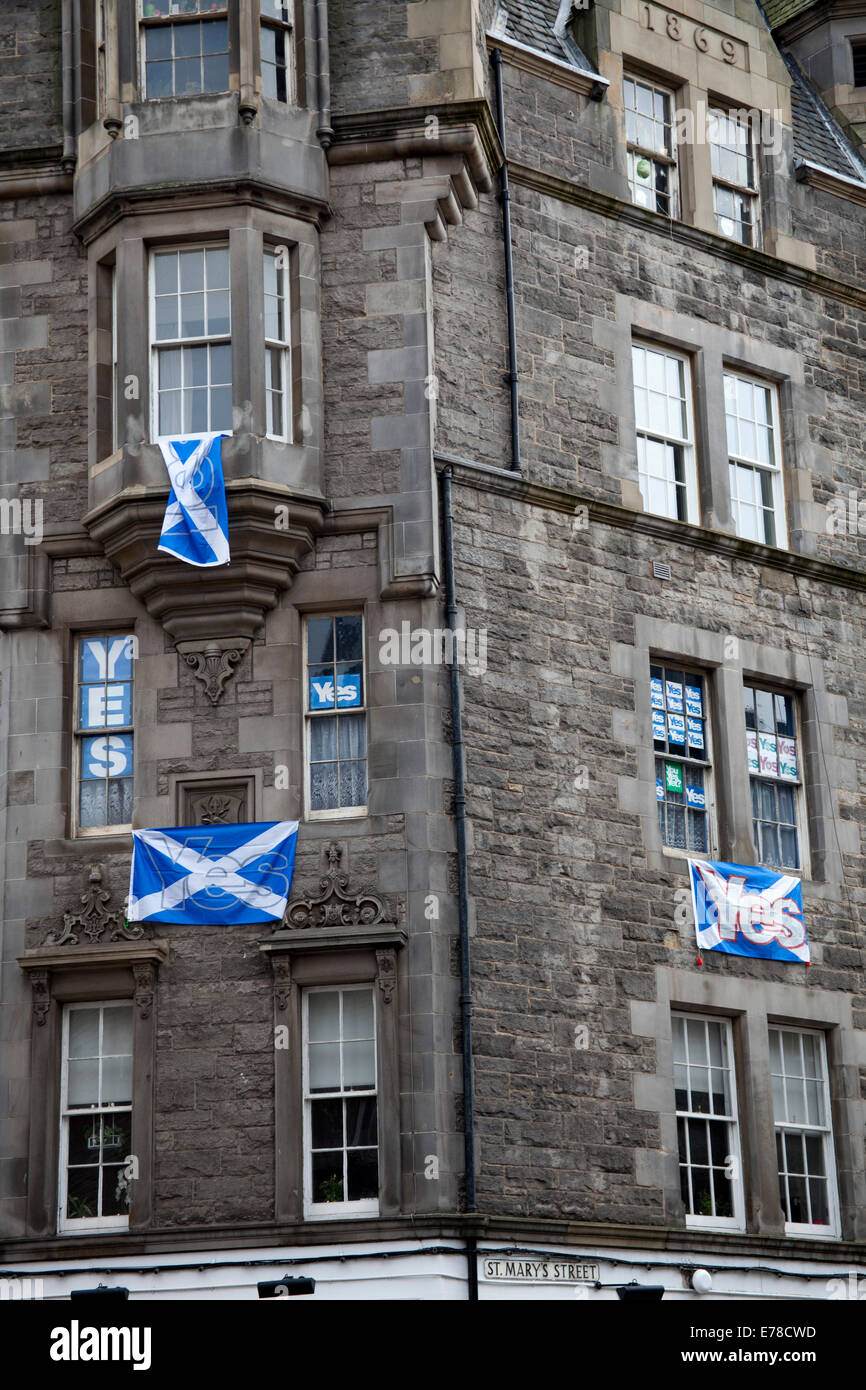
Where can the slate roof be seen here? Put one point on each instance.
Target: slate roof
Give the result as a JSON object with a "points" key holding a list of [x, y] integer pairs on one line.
{"points": [[817, 136], [777, 11], [534, 22]]}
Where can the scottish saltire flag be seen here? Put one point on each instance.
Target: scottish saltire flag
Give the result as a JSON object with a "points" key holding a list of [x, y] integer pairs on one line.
{"points": [[196, 523], [748, 911], [215, 875]]}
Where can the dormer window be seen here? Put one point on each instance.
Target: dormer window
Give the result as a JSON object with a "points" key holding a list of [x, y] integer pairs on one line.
{"points": [[185, 47], [652, 162], [858, 56], [735, 190]]}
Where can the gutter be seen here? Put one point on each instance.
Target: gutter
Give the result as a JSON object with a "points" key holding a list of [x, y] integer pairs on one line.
{"points": [[324, 130], [459, 765], [505, 199]]}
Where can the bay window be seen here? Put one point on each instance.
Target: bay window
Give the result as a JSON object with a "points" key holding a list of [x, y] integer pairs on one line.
{"points": [[276, 49], [190, 342], [277, 312], [185, 47]]}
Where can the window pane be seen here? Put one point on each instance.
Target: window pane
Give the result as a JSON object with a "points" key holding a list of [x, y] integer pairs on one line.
{"points": [[328, 1177], [84, 1033], [324, 1016], [349, 638], [323, 739], [117, 1080], [324, 786], [83, 1083], [361, 1128], [324, 1066], [359, 1066], [358, 1013], [320, 640], [362, 1166], [327, 1124], [116, 1030]]}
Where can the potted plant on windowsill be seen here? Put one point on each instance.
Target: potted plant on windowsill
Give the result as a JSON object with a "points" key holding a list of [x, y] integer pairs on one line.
{"points": [[79, 1209], [331, 1189], [112, 1136]]}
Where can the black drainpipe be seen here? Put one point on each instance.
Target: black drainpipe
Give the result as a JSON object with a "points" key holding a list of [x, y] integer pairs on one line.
{"points": [[505, 199], [457, 755]]}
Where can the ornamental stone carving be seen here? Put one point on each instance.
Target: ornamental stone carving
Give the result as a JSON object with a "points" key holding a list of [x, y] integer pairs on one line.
{"points": [[386, 974], [41, 995], [282, 968], [213, 665], [93, 919], [144, 974], [336, 905]]}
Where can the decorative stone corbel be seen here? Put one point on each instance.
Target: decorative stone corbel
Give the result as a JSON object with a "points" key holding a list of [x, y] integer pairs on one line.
{"points": [[144, 974], [213, 664], [282, 968], [41, 995], [386, 973]]}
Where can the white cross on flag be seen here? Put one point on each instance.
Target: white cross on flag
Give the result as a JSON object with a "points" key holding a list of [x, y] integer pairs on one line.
{"points": [[219, 875]]}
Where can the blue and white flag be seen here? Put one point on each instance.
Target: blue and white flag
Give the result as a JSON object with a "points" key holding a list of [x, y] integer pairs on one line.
{"points": [[215, 875], [748, 911], [196, 523]]}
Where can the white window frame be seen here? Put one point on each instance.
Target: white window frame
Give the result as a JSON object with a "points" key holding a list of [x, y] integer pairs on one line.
{"points": [[79, 735], [687, 443], [707, 764], [145, 22], [367, 1206], [336, 812], [74, 1224], [281, 346], [743, 190], [633, 147], [798, 787], [115, 378], [275, 23], [775, 470], [800, 1228], [99, 25], [737, 1222], [163, 344]]}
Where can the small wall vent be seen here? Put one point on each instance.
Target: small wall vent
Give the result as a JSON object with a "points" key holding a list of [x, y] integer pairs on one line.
{"points": [[661, 570]]}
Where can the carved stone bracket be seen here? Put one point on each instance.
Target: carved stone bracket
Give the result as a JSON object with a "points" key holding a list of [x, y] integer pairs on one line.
{"points": [[213, 664], [144, 974], [282, 968], [336, 906], [93, 919], [386, 973], [41, 995]]}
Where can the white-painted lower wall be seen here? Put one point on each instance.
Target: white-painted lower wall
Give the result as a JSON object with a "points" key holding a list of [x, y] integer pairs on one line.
{"points": [[433, 1271]]}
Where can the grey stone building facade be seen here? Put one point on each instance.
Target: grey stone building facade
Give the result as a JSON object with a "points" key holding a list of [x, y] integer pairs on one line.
{"points": [[283, 221]]}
